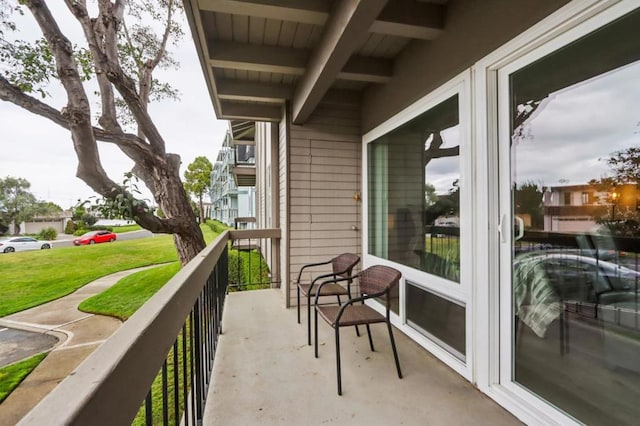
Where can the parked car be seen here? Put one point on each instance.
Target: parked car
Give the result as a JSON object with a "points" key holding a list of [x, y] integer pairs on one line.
{"points": [[576, 277], [10, 245], [93, 237]]}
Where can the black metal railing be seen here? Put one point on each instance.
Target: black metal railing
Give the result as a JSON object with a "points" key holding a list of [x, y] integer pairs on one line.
{"points": [[157, 368], [250, 254]]}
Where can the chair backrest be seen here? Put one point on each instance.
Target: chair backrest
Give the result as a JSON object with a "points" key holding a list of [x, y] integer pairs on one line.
{"points": [[343, 264], [377, 279]]}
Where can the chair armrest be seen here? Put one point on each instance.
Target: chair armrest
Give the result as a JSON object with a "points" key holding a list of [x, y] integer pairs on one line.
{"points": [[336, 280], [310, 265]]}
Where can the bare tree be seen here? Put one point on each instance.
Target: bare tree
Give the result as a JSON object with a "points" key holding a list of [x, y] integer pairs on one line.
{"points": [[121, 59]]}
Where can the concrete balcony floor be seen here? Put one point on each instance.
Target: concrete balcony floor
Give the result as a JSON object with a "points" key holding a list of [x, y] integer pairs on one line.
{"points": [[265, 373]]}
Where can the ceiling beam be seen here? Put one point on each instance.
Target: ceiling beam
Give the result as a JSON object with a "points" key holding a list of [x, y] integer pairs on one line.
{"points": [[364, 68], [243, 56], [411, 19], [235, 90], [304, 11], [346, 30], [288, 60], [403, 18], [256, 112]]}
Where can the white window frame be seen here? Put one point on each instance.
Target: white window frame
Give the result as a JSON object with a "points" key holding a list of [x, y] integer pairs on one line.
{"points": [[457, 292], [491, 129]]}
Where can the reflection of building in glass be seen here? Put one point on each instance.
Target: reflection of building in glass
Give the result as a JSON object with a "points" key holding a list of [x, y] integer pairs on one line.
{"points": [[228, 200], [578, 208]]}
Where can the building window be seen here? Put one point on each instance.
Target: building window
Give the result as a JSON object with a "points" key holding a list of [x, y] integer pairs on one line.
{"points": [[414, 193], [586, 198], [566, 198]]}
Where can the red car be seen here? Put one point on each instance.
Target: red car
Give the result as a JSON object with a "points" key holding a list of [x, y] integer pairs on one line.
{"points": [[93, 237]]}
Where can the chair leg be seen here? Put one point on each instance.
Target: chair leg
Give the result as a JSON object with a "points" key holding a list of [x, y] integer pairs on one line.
{"points": [[298, 291], [315, 324], [357, 331], [395, 353], [370, 339], [338, 360], [309, 319]]}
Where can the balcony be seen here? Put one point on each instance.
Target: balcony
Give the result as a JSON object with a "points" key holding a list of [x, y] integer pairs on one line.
{"points": [[263, 370], [244, 149]]}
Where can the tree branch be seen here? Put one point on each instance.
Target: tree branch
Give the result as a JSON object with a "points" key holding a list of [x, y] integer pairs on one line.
{"points": [[136, 146], [123, 83], [94, 33]]}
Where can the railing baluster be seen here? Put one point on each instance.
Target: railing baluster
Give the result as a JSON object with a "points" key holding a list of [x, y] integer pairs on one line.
{"points": [[197, 343], [185, 378], [176, 385], [148, 410], [192, 353], [165, 395]]}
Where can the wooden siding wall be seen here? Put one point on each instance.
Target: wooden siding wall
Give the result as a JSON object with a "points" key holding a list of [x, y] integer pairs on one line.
{"points": [[324, 156]]}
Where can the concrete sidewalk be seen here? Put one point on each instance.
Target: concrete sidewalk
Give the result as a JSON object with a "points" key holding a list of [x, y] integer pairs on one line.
{"points": [[79, 335]]}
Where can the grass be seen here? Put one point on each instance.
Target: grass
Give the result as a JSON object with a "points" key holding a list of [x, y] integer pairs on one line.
{"points": [[12, 375], [127, 295], [36, 277], [126, 228], [58, 272]]}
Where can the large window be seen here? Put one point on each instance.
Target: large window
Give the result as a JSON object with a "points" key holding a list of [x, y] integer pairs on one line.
{"points": [[414, 199], [575, 269]]}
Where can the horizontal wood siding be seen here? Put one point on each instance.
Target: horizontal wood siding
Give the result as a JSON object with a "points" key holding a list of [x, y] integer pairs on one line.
{"points": [[324, 219]]}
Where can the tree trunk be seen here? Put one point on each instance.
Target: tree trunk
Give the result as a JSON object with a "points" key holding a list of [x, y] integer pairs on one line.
{"points": [[174, 203], [201, 209]]}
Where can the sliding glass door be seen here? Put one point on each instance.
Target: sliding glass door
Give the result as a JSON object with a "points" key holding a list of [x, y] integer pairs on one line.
{"points": [[570, 223]]}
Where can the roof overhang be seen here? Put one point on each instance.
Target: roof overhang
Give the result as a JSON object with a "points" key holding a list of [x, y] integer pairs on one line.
{"points": [[259, 54]]}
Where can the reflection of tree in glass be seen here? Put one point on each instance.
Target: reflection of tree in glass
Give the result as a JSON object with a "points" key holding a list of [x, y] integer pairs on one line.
{"points": [[445, 205], [430, 196], [527, 199], [433, 148], [621, 191]]}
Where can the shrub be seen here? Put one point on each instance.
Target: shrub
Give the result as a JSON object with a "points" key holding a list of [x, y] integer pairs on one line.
{"points": [[48, 234], [70, 228], [85, 229], [216, 226], [247, 271], [235, 268], [89, 219]]}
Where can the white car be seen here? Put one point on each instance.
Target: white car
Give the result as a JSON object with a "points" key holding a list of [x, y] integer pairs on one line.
{"points": [[23, 244]]}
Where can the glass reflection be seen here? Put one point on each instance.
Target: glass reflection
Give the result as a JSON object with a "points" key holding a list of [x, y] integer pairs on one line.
{"points": [[414, 201], [575, 174]]}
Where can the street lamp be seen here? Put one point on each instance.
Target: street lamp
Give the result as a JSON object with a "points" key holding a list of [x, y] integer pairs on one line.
{"points": [[614, 200]]}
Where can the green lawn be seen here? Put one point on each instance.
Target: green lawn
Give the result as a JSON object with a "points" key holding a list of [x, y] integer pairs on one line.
{"points": [[127, 295], [126, 228], [35, 277], [62, 270], [12, 375]]}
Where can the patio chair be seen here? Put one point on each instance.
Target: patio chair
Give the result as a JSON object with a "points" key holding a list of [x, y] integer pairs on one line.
{"points": [[342, 266], [375, 282]]}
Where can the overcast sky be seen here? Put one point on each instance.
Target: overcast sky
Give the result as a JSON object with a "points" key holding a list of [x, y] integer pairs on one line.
{"points": [[33, 148], [576, 131]]}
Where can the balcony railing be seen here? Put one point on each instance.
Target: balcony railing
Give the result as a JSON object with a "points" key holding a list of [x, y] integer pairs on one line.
{"points": [[171, 340]]}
